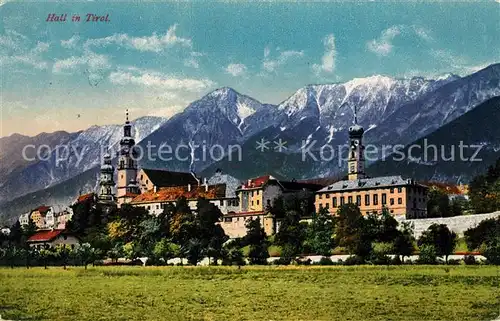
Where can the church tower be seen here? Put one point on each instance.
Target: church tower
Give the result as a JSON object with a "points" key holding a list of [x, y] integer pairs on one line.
{"points": [[127, 162], [106, 182], [356, 159]]}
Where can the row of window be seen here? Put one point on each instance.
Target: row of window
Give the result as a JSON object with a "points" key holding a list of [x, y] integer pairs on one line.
{"points": [[230, 219], [367, 200], [230, 202], [257, 192]]}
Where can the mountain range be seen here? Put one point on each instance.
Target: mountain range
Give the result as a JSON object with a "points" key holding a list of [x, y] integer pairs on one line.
{"points": [[392, 111]]}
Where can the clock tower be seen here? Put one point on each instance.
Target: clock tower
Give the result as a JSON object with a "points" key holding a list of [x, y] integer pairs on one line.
{"points": [[356, 159], [127, 162]]}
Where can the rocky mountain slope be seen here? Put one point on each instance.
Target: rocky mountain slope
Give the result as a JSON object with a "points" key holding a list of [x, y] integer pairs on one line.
{"points": [[449, 153]]}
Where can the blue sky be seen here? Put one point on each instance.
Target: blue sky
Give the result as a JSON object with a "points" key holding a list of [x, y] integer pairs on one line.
{"points": [[156, 58]]}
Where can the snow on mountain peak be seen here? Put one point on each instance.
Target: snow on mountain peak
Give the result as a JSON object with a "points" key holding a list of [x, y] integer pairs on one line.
{"points": [[371, 82]]}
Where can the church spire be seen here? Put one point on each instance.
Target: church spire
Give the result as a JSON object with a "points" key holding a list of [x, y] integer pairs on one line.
{"points": [[355, 160]]}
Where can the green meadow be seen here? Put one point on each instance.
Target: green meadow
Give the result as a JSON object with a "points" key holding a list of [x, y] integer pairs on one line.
{"points": [[251, 293]]}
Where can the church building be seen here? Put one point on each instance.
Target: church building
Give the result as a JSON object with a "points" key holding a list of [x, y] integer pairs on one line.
{"points": [[402, 197]]}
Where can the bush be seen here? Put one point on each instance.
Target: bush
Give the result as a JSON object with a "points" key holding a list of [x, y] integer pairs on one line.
{"points": [[492, 254], [379, 259], [282, 261], [325, 260], [234, 257], [354, 260], [470, 260], [427, 255]]}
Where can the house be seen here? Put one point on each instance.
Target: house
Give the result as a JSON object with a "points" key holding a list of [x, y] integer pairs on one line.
{"points": [[153, 179], [400, 196], [255, 195], [51, 238], [155, 201], [24, 219], [39, 214], [62, 218], [230, 202]]}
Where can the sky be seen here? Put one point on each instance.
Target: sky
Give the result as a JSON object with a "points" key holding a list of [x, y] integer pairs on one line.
{"points": [[155, 58]]}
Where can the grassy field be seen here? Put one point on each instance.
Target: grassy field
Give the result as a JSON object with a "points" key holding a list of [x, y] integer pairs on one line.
{"points": [[251, 293]]}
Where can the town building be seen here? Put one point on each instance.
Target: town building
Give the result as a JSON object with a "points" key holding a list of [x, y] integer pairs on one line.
{"points": [[402, 197], [39, 214], [153, 179], [62, 218], [24, 219], [51, 238], [155, 201], [255, 196]]}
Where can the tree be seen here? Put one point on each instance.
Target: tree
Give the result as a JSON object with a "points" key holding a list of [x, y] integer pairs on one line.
{"points": [[291, 235], [484, 190], [351, 231], [132, 250], [209, 232], [427, 254], [150, 233], [16, 234], [45, 254], [29, 229], [118, 230], [86, 253], [235, 257], [403, 243], [438, 204], [484, 233], [256, 239], [320, 233], [194, 251], [63, 253], [485, 237], [441, 238], [165, 250], [116, 252]]}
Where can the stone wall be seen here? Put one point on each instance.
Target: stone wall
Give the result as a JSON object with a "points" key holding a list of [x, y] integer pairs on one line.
{"points": [[458, 224]]}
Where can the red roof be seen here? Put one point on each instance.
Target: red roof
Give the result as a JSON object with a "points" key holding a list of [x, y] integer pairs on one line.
{"points": [[256, 182], [42, 209], [174, 193], [45, 236], [85, 197]]}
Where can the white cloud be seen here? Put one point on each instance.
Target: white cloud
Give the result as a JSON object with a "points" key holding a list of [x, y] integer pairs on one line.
{"points": [[382, 46], [236, 69], [153, 43], [90, 60], [71, 42], [15, 49], [270, 65], [193, 61], [328, 59], [423, 33], [150, 78]]}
